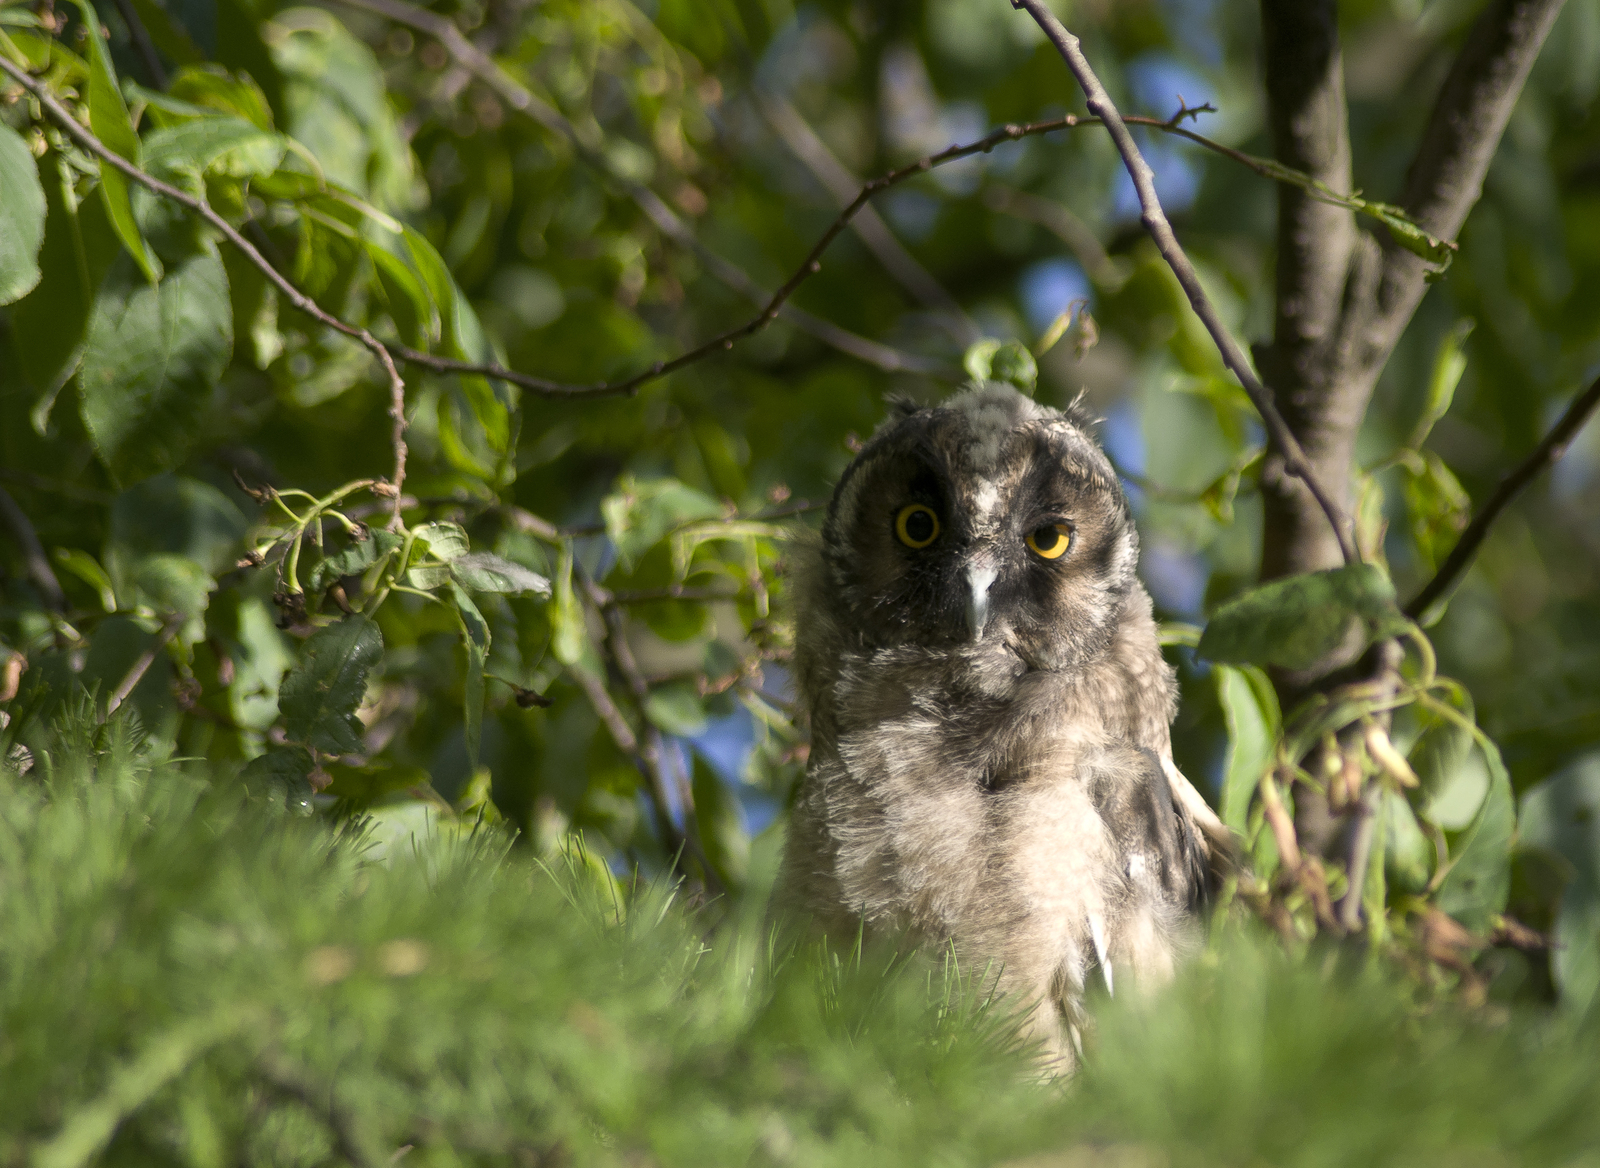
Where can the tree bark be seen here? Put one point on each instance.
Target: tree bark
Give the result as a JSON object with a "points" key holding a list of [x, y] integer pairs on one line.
{"points": [[1344, 297], [1316, 241]]}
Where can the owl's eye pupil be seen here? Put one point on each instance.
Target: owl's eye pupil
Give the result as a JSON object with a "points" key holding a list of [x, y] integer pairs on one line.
{"points": [[916, 525], [1050, 541]]}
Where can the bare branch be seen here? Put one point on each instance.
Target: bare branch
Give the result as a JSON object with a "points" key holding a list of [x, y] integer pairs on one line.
{"points": [[33, 556], [874, 232], [75, 130], [1549, 451], [141, 665], [1155, 222]]}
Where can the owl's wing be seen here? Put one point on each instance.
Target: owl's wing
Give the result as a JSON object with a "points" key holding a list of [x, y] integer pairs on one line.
{"points": [[1162, 855], [1216, 834]]}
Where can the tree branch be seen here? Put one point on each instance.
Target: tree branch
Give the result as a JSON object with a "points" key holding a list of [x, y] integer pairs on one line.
{"points": [[1464, 130], [1155, 222], [33, 555], [1547, 453], [786, 121], [75, 130]]}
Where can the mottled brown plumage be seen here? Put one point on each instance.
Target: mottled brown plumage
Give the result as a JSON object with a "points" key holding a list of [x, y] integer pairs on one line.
{"points": [[990, 761]]}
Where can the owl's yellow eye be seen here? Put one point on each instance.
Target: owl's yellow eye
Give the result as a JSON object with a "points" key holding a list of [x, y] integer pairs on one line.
{"points": [[916, 525], [1050, 541]]}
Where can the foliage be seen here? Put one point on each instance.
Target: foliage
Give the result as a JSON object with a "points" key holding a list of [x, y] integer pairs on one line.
{"points": [[301, 992], [512, 593]]}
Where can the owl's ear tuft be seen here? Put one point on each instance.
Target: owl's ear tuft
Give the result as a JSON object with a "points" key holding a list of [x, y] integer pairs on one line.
{"points": [[901, 406], [1077, 412]]}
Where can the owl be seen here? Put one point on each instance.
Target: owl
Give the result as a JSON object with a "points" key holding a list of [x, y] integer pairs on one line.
{"points": [[991, 767]]}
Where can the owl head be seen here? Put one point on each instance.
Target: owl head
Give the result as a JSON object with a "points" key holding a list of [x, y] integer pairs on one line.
{"points": [[988, 525]]}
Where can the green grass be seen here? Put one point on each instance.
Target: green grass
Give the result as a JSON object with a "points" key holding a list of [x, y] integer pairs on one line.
{"points": [[187, 977]]}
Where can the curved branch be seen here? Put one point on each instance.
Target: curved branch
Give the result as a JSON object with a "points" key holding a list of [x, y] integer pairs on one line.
{"points": [[1547, 453], [1155, 222]]}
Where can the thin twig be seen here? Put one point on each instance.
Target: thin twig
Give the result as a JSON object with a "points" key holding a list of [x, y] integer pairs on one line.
{"points": [[650, 751], [141, 41], [141, 666], [1155, 222], [38, 564], [80, 134], [482, 66], [1548, 452]]}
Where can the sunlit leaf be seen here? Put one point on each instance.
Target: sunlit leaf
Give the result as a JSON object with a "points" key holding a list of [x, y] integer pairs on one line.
{"points": [[487, 572], [639, 514], [1250, 711]]}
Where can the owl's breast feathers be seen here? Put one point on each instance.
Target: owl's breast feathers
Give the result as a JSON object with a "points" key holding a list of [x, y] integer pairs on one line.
{"points": [[1023, 815]]}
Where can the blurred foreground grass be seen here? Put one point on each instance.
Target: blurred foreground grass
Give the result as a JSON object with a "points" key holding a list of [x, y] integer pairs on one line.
{"points": [[187, 977]]}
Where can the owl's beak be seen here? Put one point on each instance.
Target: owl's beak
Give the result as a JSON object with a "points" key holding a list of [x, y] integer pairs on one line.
{"points": [[980, 577]]}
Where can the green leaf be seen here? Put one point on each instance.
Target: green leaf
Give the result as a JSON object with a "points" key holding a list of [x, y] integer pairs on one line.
{"points": [[1441, 748], [354, 559], [676, 708], [568, 633], [176, 515], [211, 88], [475, 637], [152, 357], [86, 568], [1438, 507], [1449, 363], [283, 772], [1561, 814], [1296, 622], [108, 118], [22, 217], [443, 541], [1479, 880], [640, 514], [320, 695], [176, 586], [415, 316], [1250, 710], [213, 145], [79, 246], [1409, 854], [1008, 361], [487, 572]]}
